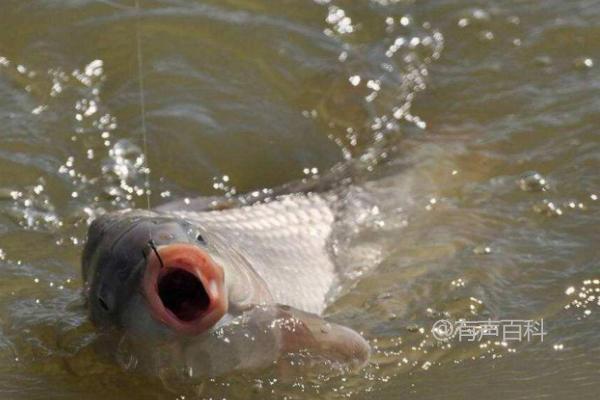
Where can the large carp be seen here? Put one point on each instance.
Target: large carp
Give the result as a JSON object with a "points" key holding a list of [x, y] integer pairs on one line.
{"points": [[231, 289]]}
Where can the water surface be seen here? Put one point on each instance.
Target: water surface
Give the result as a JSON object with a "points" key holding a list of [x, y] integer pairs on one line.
{"points": [[472, 126]]}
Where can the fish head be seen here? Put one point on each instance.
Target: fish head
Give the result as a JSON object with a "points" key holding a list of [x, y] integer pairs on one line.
{"points": [[151, 275]]}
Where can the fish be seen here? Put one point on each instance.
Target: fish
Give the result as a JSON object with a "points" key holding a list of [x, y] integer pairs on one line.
{"points": [[221, 289]]}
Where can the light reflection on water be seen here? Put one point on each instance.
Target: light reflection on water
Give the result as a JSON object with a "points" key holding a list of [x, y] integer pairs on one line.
{"points": [[474, 135]]}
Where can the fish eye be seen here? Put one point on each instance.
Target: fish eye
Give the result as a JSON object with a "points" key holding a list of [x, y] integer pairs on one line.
{"points": [[102, 304], [200, 238]]}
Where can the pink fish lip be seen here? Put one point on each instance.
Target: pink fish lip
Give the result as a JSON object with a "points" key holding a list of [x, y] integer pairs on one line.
{"points": [[186, 290]]}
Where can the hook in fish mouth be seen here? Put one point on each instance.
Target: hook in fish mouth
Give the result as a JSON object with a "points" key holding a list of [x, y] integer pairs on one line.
{"points": [[184, 288], [153, 248]]}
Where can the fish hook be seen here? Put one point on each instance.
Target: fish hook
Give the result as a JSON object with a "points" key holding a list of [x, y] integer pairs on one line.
{"points": [[153, 247]]}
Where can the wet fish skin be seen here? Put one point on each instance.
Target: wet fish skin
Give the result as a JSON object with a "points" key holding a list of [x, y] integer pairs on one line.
{"points": [[276, 271], [277, 331], [114, 259]]}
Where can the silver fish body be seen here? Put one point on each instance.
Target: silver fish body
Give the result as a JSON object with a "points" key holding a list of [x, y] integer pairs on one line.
{"points": [[284, 241], [220, 290]]}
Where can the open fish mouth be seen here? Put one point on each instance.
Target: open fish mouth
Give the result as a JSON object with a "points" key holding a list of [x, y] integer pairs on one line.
{"points": [[184, 288], [183, 294]]}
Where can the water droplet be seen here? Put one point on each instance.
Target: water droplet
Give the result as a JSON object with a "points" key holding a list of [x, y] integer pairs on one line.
{"points": [[570, 291], [354, 80], [486, 35], [481, 14], [584, 62], [533, 182], [548, 208], [482, 250]]}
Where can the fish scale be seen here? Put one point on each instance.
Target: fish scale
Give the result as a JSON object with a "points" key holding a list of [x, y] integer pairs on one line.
{"points": [[285, 241]]}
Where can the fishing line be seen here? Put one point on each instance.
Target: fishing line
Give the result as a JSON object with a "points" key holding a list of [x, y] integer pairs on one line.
{"points": [[140, 68]]}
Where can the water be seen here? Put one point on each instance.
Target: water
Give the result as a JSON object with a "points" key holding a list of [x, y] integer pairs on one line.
{"points": [[472, 126]]}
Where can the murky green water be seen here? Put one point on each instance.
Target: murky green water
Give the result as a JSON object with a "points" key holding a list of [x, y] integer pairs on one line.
{"points": [[447, 109]]}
